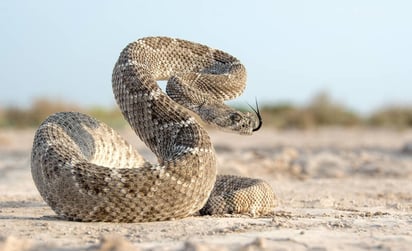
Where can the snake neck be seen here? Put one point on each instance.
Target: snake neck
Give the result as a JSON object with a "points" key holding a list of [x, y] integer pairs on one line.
{"points": [[161, 123]]}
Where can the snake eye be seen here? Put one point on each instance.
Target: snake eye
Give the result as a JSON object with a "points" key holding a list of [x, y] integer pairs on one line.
{"points": [[235, 117]]}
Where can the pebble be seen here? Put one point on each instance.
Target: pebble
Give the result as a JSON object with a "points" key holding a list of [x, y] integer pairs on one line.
{"points": [[407, 148]]}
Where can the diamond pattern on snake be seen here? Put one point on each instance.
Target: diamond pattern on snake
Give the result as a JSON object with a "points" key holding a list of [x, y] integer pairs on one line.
{"points": [[85, 171]]}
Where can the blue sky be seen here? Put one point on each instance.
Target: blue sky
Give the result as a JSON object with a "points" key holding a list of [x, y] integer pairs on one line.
{"points": [[359, 51]]}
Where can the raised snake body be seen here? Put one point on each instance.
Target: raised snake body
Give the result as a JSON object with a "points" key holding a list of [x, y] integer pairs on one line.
{"points": [[85, 171]]}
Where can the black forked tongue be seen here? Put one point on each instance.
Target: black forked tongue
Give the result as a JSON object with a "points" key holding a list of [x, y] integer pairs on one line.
{"points": [[257, 112]]}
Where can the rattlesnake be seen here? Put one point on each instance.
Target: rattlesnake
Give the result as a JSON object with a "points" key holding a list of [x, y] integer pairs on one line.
{"points": [[85, 171]]}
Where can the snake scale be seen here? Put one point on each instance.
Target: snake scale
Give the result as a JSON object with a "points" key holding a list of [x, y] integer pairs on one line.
{"points": [[85, 171]]}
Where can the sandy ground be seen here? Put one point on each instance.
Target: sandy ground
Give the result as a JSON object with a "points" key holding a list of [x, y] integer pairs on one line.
{"points": [[338, 189]]}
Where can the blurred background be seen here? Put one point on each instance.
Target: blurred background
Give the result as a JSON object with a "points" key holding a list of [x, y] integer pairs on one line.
{"points": [[310, 63]]}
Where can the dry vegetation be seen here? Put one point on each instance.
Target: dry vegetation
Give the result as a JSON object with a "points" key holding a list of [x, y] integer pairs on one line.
{"points": [[321, 111], [41, 108]]}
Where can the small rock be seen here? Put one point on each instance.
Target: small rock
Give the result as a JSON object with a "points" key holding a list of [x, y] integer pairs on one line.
{"points": [[194, 246], [407, 148], [11, 243], [257, 245], [325, 165], [115, 243]]}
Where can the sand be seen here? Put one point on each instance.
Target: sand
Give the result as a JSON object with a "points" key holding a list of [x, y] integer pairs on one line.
{"points": [[337, 189]]}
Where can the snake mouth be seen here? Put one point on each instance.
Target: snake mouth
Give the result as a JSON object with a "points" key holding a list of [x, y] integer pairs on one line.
{"points": [[257, 112]]}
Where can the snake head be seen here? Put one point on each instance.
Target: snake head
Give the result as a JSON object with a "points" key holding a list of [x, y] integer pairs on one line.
{"points": [[229, 119], [245, 123]]}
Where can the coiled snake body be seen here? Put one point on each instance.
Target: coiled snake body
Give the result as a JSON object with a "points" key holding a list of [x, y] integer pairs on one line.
{"points": [[85, 171]]}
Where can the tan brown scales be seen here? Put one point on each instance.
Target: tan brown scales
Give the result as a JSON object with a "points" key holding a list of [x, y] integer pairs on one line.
{"points": [[85, 171]]}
